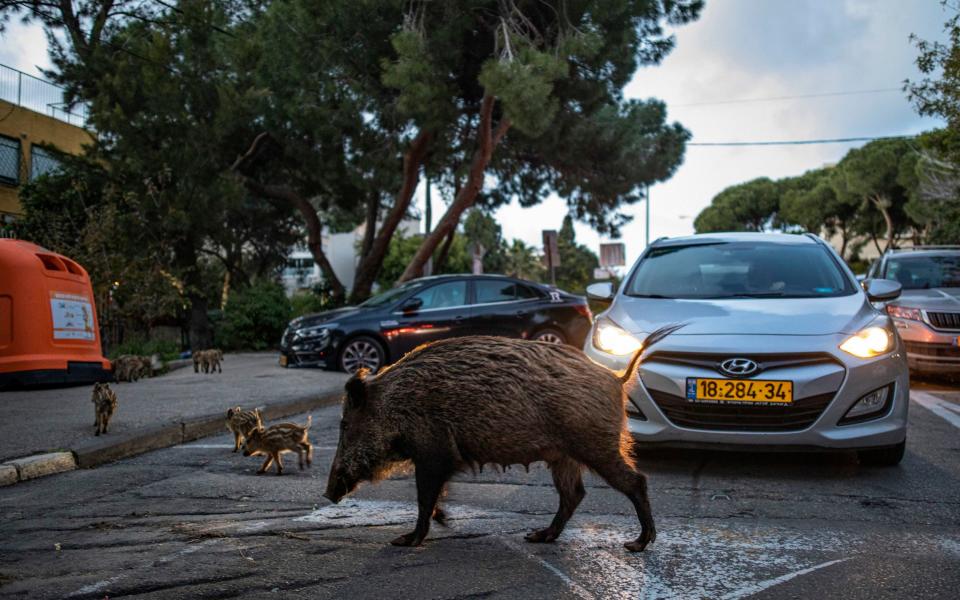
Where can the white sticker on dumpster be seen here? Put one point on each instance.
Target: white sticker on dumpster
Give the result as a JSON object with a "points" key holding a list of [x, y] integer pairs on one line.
{"points": [[72, 317]]}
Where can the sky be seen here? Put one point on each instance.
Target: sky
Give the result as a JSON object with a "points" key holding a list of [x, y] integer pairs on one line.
{"points": [[737, 50]]}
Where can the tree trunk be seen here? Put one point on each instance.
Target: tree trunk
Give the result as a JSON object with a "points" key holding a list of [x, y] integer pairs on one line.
{"points": [[487, 141], [370, 224], [843, 243], [444, 252], [882, 205], [371, 262]]}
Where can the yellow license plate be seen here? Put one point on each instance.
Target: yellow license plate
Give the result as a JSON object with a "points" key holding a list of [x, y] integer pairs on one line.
{"points": [[283, 360], [739, 391]]}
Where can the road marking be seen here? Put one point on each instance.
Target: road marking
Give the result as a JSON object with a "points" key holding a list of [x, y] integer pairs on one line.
{"points": [[944, 409], [769, 583], [230, 447], [96, 587], [575, 587]]}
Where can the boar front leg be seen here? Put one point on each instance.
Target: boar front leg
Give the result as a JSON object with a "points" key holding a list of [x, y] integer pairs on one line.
{"points": [[430, 481], [236, 440], [569, 483], [266, 465]]}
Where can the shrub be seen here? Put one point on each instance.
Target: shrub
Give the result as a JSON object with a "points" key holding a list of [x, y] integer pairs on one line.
{"points": [[167, 349], [254, 318]]}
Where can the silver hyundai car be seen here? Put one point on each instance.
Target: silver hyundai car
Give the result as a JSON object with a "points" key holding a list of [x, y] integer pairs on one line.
{"points": [[781, 347]]}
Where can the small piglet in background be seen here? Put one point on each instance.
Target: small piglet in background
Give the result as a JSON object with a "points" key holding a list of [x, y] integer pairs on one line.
{"points": [[277, 440], [464, 402], [104, 405], [241, 423]]}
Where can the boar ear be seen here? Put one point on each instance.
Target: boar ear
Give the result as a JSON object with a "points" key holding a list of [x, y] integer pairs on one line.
{"points": [[357, 389]]}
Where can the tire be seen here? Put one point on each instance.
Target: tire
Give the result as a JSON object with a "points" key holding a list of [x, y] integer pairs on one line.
{"points": [[883, 457], [550, 335], [362, 351]]}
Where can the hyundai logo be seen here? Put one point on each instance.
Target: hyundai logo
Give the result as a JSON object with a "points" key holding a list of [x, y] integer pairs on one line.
{"points": [[739, 367]]}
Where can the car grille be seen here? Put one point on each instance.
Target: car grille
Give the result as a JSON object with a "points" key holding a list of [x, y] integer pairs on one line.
{"points": [[735, 417], [765, 361], [944, 320], [941, 350]]}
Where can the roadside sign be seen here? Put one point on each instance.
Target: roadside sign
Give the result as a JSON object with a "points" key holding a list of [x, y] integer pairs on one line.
{"points": [[613, 255], [601, 273], [551, 252]]}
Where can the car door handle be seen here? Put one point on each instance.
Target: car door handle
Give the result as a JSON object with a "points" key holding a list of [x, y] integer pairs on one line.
{"points": [[458, 319]]}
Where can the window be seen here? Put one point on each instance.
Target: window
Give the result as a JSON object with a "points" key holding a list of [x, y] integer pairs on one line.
{"points": [[494, 290], [42, 161], [720, 270], [525, 292], [925, 272], [444, 295], [9, 160]]}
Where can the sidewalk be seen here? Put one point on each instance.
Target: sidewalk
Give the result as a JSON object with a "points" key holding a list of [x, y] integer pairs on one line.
{"points": [[159, 411]]}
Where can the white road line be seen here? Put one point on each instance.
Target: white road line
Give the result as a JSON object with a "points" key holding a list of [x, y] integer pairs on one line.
{"points": [[938, 406], [96, 587], [758, 587], [575, 587]]}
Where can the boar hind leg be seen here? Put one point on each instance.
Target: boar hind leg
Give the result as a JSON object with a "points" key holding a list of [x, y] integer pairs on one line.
{"points": [[569, 483], [266, 465], [624, 477], [440, 515], [430, 482]]}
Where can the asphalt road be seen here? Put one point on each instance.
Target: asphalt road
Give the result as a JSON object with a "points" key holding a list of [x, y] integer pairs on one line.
{"points": [[193, 521]]}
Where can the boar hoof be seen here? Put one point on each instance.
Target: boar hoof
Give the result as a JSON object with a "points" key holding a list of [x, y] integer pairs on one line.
{"points": [[410, 539], [635, 546], [440, 516], [541, 536]]}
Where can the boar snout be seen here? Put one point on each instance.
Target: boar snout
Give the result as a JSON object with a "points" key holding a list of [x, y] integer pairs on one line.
{"points": [[338, 485]]}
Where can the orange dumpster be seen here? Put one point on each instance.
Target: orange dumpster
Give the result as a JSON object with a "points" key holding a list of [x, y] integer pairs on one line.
{"points": [[48, 319]]}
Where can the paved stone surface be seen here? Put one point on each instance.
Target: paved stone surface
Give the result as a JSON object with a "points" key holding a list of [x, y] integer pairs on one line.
{"points": [[62, 419], [41, 465], [193, 521]]}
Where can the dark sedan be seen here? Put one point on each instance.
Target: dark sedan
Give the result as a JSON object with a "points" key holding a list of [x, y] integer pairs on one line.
{"points": [[385, 327]]}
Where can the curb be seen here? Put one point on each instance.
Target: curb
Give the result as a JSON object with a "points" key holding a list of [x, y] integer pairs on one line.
{"points": [[102, 450]]}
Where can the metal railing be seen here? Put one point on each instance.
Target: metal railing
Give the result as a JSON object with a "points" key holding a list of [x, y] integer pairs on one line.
{"points": [[39, 95]]}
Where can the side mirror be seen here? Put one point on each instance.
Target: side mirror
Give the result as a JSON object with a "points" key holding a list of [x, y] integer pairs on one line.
{"points": [[882, 290], [411, 305], [601, 291]]}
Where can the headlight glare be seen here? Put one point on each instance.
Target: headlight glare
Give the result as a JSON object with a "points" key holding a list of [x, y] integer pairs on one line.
{"points": [[904, 312], [869, 342], [308, 333], [612, 339]]}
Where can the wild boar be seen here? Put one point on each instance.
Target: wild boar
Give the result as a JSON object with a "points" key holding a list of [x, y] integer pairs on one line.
{"points": [[104, 405], [461, 403], [241, 422], [277, 440]]}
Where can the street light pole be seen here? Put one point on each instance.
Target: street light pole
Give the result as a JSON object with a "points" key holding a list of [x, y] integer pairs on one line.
{"points": [[647, 231]]}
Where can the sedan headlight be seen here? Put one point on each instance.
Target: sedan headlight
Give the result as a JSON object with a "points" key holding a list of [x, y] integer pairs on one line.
{"points": [[611, 338], [312, 333], [869, 342], [904, 312]]}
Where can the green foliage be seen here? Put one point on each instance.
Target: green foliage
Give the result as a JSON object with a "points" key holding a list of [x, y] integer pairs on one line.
{"points": [[167, 349], [523, 261], [525, 86], [254, 318], [576, 262], [319, 299], [402, 249], [481, 228], [750, 206]]}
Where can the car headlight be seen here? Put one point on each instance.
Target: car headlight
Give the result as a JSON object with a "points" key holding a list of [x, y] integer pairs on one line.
{"points": [[311, 333], [904, 312], [869, 342], [611, 338]]}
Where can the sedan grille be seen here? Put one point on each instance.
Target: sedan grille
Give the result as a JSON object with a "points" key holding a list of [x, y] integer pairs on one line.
{"points": [[944, 320], [944, 350], [733, 417]]}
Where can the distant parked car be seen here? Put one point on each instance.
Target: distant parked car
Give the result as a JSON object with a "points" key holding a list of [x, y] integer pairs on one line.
{"points": [[927, 314], [385, 327]]}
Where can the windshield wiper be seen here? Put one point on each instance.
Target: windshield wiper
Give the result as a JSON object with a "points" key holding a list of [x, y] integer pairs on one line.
{"points": [[749, 295], [652, 296]]}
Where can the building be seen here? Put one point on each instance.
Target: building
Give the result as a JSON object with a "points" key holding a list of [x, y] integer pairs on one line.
{"points": [[35, 130], [302, 273]]}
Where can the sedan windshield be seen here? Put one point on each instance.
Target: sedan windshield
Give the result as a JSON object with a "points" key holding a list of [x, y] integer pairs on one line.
{"points": [[924, 272], [390, 295], [739, 270]]}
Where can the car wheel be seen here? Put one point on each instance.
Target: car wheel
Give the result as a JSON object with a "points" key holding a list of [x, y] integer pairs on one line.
{"points": [[551, 336], [883, 457], [361, 352]]}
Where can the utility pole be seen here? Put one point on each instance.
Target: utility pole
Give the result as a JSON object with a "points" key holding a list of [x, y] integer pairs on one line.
{"points": [[647, 232], [428, 210]]}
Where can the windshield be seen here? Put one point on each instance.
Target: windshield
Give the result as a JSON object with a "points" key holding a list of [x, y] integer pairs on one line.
{"points": [[390, 295], [739, 270], [924, 272]]}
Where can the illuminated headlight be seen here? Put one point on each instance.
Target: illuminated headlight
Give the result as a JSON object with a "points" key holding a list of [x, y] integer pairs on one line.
{"points": [[904, 312], [869, 342], [869, 406], [610, 338]]}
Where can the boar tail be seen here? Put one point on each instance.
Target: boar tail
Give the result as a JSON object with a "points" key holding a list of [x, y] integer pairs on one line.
{"points": [[650, 340], [309, 422]]}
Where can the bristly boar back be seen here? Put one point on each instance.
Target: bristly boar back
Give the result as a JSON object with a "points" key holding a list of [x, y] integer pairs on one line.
{"points": [[464, 402]]}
